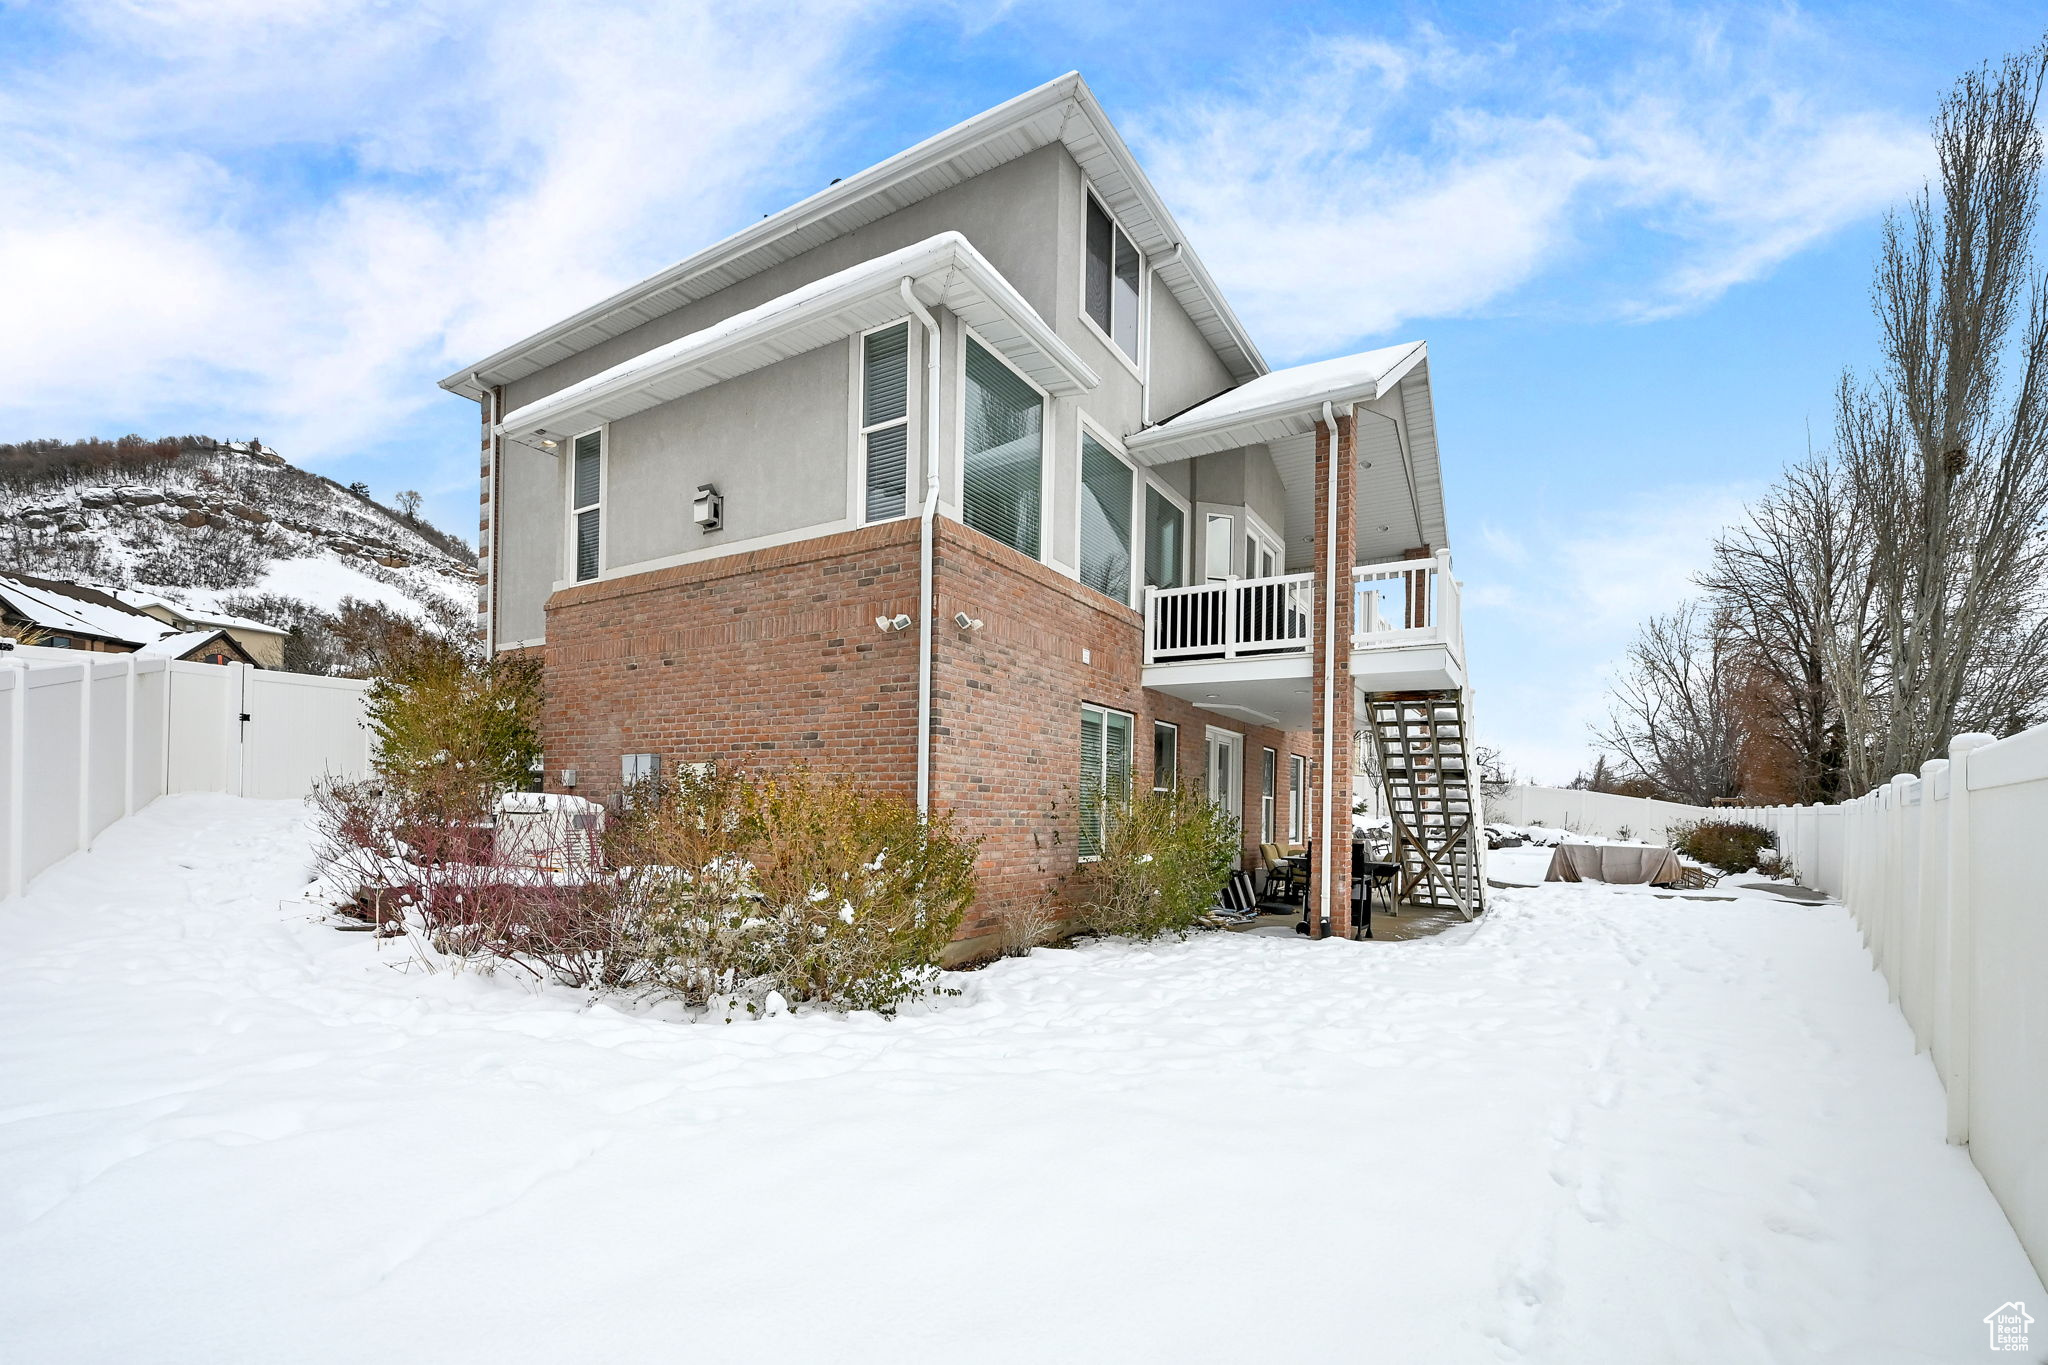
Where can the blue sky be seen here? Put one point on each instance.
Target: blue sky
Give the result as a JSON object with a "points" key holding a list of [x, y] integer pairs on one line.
{"points": [[1637, 237]]}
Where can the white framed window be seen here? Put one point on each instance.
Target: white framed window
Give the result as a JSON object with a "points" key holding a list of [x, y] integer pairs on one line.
{"points": [[1297, 798], [1269, 797], [1112, 282], [1002, 450], [586, 502], [1219, 535], [1165, 755], [885, 422], [1264, 556], [1105, 772], [1108, 502], [1166, 538]]}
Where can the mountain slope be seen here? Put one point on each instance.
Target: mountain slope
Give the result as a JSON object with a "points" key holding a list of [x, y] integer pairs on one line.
{"points": [[228, 526]]}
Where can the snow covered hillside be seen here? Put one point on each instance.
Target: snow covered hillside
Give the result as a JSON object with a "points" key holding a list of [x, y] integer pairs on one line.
{"points": [[1594, 1126], [224, 527]]}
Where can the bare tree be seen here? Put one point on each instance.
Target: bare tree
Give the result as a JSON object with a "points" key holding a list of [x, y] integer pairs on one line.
{"points": [[1946, 450], [1674, 718]]}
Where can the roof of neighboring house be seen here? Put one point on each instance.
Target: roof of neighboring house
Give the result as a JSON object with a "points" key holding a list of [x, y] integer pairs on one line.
{"points": [[178, 645], [944, 268], [73, 609], [1062, 110], [143, 601]]}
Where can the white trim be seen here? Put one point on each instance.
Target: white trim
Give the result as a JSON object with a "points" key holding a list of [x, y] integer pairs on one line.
{"points": [[528, 644], [1233, 799], [1131, 362], [1134, 590], [1046, 417], [1107, 711], [1297, 799], [1233, 512], [913, 356], [1255, 528], [733, 547], [1269, 805]]}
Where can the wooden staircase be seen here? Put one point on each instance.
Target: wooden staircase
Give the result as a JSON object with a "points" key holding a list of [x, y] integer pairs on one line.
{"points": [[1428, 778]]}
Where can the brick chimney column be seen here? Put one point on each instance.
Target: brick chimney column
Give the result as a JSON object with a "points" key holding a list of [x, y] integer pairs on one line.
{"points": [[1335, 777]]}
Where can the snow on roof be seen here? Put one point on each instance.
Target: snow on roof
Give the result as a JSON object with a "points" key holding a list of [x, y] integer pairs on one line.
{"points": [[1342, 378], [58, 611], [179, 645], [144, 600]]}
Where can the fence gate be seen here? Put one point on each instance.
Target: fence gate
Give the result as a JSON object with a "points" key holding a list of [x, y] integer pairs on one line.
{"points": [[254, 732]]}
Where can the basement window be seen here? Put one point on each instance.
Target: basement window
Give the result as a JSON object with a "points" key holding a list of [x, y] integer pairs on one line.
{"points": [[885, 423], [585, 498]]}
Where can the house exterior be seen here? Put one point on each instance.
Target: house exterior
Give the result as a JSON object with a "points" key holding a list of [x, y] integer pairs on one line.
{"points": [[963, 477], [66, 615]]}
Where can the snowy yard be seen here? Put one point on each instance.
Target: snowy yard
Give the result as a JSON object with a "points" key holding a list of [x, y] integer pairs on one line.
{"points": [[1597, 1126]]}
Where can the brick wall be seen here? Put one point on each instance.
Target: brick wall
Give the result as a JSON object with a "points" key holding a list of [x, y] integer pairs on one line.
{"points": [[1338, 774], [773, 657]]}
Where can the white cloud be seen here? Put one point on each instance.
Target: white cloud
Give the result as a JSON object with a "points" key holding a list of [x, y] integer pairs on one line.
{"points": [[476, 170], [1369, 185]]}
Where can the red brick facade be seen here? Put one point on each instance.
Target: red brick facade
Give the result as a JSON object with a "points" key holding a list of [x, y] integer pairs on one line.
{"points": [[1333, 861], [773, 657]]}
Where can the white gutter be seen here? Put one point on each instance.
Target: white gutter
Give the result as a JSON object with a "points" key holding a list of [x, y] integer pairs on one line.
{"points": [[924, 549], [1329, 676]]}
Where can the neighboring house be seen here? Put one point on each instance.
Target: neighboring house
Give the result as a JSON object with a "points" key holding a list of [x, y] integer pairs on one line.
{"points": [[73, 616], [262, 644], [963, 477]]}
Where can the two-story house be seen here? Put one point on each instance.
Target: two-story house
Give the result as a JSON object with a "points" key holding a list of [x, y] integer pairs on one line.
{"points": [[962, 476]]}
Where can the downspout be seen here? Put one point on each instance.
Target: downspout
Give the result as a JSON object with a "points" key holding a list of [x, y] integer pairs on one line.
{"points": [[924, 549], [1329, 673]]}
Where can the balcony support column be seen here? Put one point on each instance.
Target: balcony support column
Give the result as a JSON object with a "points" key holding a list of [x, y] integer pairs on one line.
{"points": [[1336, 528]]}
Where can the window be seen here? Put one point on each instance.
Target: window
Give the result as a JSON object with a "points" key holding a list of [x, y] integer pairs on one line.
{"points": [[589, 489], [1216, 547], [639, 768], [1105, 772], [1269, 799], [1106, 484], [1297, 798], [1110, 291], [1002, 455], [1166, 528], [1165, 756], [885, 423]]}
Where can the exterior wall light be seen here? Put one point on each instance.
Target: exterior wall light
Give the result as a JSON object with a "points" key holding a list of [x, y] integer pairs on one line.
{"points": [[709, 509], [966, 622], [900, 621]]}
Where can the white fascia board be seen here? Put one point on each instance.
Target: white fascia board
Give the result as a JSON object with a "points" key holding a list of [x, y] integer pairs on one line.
{"points": [[943, 269], [1061, 110], [1222, 424]]}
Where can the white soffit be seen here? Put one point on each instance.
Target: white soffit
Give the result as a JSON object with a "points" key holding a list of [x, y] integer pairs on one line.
{"points": [[943, 269], [1061, 110]]}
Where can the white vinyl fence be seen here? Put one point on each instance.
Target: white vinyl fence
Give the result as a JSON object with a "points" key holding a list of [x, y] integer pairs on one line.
{"points": [[1946, 874], [88, 738]]}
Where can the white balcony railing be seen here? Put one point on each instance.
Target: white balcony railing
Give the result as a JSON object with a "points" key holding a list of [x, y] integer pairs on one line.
{"points": [[1393, 606], [1231, 620], [1407, 602]]}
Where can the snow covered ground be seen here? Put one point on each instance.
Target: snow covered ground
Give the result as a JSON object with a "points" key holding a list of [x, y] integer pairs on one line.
{"points": [[1595, 1126]]}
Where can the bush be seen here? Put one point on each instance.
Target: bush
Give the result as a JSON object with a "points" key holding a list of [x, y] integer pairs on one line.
{"points": [[1164, 857], [1727, 844], [718, 890], [793, 883], [450, 721]]}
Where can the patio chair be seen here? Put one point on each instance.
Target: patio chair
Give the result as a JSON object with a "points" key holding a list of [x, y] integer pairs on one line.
{"points": [[1283, 879]]}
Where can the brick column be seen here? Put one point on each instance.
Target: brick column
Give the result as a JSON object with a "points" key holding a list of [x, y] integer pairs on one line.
{"points": [[1335, 775]]}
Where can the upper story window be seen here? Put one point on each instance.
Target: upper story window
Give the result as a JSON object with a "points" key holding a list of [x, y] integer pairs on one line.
{"points": [[885, 423], [584, 501], [1106, 486], [1166, 540], [1110, 291], [1002, 452]]}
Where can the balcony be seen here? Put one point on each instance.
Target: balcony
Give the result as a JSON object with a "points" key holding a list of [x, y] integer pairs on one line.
{"points": [[1245, 647]]}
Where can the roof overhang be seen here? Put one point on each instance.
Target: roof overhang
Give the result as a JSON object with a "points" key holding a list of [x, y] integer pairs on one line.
{"points": [[1400, 501], [944, 270], [1062, 110]]}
